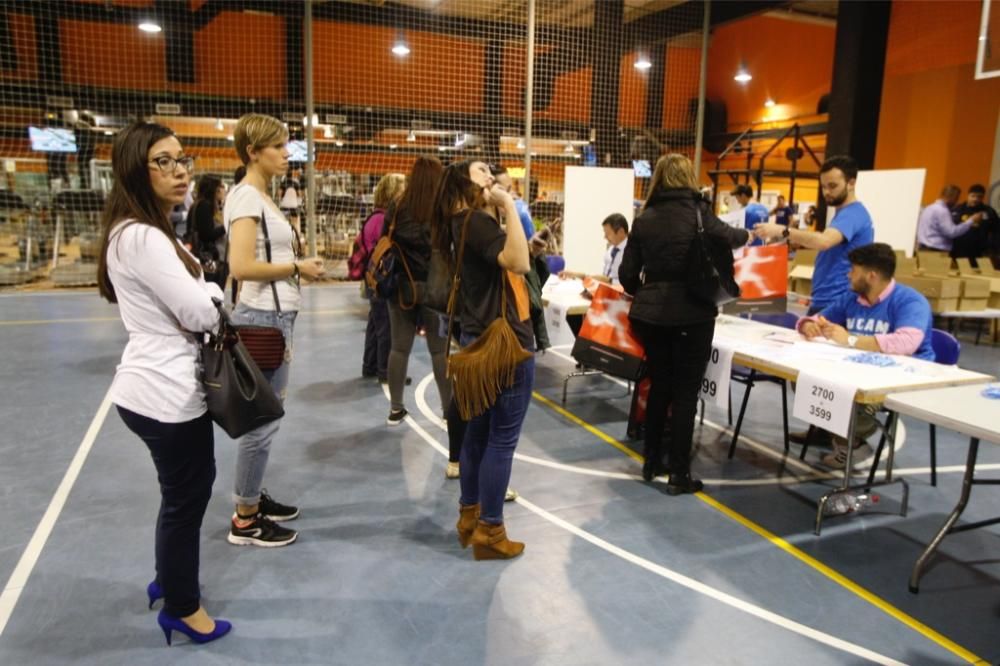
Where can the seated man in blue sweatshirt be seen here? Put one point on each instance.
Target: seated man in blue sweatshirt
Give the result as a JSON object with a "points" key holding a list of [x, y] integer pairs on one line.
{"points": [[878, 315]]}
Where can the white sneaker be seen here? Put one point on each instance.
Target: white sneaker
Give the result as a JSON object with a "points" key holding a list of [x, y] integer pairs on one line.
{"points": [[511, 495], [451, 471]]}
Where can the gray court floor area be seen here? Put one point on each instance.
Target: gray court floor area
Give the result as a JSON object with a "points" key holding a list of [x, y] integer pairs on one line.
{"points": [[615, 570]]}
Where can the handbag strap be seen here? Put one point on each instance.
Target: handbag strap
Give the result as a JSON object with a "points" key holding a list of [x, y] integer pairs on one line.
{"points": [[456, 280], [267, 252]]}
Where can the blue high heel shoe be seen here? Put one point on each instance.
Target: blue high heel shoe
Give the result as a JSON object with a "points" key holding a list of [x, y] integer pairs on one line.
{"points": [[170, 624], [154, 593]]}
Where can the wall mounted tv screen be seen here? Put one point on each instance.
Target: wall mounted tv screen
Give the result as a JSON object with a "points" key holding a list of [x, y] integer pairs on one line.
{"points": [[641, 168], [297, 151], [52, 139]]}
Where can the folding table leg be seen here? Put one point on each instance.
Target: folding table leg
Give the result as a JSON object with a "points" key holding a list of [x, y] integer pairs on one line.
{"points": [[967, 482], [743, 409]]}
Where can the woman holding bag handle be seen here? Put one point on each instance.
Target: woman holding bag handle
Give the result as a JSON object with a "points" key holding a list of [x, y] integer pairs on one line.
{"points": [[264, 257], [162, 297]]}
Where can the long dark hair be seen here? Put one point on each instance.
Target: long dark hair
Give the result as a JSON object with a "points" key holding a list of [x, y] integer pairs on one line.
{"points": [[421, 189], [132, 197], [457, 192], [207, 188]]}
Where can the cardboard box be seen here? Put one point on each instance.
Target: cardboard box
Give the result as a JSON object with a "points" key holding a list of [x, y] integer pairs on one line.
{"points": [[941, 292], [974, 293], [934, 262], [805, 257], [800, 280]]}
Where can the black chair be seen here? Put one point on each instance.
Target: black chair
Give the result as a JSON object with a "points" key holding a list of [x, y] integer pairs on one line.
{"points": [[749, 377]]}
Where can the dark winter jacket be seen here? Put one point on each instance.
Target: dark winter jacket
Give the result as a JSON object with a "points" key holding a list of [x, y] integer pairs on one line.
{"points": [[658, 246], [413, 238]]}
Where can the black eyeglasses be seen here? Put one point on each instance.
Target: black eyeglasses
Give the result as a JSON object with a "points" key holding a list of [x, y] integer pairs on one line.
{"points": [[167, 164]]}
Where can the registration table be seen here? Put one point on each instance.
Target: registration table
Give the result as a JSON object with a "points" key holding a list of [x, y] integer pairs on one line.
{"points": [[965, 410], [782, 352]]}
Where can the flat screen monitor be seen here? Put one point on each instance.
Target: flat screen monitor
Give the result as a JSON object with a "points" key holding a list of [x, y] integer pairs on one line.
{"points": [[641, 168], [297, 151], [52, 139]]}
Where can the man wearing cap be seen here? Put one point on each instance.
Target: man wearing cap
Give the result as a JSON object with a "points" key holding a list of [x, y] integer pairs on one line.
{"points": [[756, 213]]}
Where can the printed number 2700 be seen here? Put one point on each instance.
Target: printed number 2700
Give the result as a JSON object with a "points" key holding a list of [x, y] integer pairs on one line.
{"points": [[822, 393]]}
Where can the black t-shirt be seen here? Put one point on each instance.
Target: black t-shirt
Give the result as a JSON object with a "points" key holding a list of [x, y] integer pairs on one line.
{"points": [[481, 275]]}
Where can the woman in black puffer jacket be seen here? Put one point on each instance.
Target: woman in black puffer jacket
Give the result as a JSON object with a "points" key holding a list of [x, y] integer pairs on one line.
{"points": [[675, 327]]}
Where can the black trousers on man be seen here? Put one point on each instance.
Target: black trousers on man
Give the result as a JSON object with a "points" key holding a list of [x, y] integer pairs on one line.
{"points": [[676, 358]]}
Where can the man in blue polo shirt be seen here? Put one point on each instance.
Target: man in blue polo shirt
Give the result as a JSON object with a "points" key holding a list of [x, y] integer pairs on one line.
{"points": [[756, 212], [850, 229], [877, 315]]}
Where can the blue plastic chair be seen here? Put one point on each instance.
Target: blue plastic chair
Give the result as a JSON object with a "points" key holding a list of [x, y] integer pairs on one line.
{"points": [[946, 351], [749, 377]]}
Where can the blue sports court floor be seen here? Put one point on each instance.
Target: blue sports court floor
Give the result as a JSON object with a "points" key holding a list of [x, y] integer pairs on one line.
{"points": [[615, 571]]}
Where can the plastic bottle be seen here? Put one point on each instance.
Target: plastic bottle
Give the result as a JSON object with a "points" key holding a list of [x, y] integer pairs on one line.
{"points": [[842, 503]]}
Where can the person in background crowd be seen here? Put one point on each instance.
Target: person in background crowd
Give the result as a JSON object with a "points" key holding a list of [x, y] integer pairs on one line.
{"points": [[878, 315], [783, 213], [675, 327], [206, 233], [375, 359], [756, 212], [809, 220], [936, 229], [615, 227], [412, 213], [270, 295], [851, 228], [492, 260], [164, 303], [984, 237], [537, 243]]}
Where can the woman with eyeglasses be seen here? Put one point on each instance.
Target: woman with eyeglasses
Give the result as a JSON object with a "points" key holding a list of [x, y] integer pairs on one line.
{"points": [[264, 253], [165, 305]]}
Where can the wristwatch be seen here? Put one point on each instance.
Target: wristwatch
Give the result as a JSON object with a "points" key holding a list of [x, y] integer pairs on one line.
{"points": [[295, 270], [852, 340]]}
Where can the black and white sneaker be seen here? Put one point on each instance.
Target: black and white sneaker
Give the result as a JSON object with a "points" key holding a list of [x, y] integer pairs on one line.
{"points": [[276, 511], [260, 531], [396, 417]]}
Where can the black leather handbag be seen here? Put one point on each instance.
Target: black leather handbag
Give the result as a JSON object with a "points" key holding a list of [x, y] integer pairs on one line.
{"points": [[710, 277], [238, 395]]}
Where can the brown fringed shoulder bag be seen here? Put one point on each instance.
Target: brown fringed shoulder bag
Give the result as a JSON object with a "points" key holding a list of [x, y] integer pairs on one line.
{"points": [[480, 371]]}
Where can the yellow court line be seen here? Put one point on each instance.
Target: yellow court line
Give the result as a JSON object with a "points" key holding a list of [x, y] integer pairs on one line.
{"points": [[782, 544]]}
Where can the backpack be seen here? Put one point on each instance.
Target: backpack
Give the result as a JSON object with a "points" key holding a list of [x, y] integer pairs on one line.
{"points": [[358, 261], [382, 275]]}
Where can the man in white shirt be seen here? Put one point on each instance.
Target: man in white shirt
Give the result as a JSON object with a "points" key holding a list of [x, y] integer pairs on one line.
{"points": [[615, 228]]}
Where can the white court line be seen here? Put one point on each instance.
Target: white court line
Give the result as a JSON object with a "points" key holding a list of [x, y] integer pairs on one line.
{"points": [[811, 473], [663, 572], [19, 578]]}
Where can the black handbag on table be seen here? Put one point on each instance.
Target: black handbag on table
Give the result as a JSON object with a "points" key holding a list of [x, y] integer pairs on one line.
{"points": [[710, 269], [239, 397]]}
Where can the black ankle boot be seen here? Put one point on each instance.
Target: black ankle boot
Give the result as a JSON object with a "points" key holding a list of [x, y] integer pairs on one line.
{"points": [[653, 468], [678, 484]]}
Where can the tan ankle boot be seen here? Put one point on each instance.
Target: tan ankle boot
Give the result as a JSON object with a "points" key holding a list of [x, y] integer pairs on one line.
{"points": [[468, 516], [490, 542]]}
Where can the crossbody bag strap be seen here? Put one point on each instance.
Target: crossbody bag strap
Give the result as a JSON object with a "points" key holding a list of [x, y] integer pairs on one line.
{"points": [[455, 282], [267, 252]]}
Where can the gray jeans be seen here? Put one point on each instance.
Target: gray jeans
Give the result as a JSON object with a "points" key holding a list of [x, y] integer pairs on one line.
{"points": [[402, 330], [254, 448]]}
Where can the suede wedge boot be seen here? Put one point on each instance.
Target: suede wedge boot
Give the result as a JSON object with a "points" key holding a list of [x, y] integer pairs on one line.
{"points": [[490, 542], [468, 516]]}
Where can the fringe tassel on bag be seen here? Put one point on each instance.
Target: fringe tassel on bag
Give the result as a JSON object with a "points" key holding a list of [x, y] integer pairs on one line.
{"points": [[483, 369]]}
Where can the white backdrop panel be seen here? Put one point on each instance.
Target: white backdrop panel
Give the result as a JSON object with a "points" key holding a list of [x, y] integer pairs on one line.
{"points": [[892, 197], [592, 193]]}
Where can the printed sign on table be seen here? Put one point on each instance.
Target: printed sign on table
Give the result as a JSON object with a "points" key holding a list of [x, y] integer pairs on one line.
{"points": [[606, 341], [715, 384], [824, 403]]}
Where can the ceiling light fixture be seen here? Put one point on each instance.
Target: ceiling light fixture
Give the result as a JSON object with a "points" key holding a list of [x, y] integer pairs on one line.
{"points": [[769, 103], [218, 124], [328, 132], [400, 47], [642, 63], [411, 137], [520, 144], [338, 143], [742, 74], [151, 27], [392, 146]]}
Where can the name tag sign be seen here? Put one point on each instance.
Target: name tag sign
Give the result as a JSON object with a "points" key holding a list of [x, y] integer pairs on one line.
{"points": [[715, 383], [556, 316], [824, 403]]}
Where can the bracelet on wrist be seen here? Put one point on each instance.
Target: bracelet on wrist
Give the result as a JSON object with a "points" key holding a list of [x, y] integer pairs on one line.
{"points": [[295, 269]]}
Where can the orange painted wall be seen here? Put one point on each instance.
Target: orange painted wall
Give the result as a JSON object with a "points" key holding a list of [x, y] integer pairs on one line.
{"points": [[934, 114], [791, 61], [680, 85], [22, 33]]}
